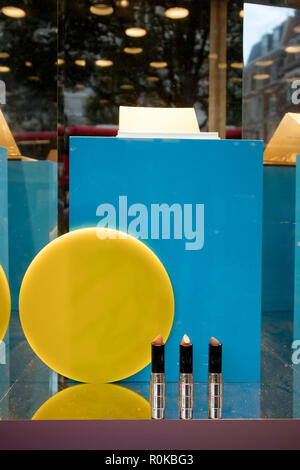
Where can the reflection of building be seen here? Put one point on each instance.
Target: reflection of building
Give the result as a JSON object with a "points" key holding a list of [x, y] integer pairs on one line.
{"points": [[75, 105], [273, 65]]}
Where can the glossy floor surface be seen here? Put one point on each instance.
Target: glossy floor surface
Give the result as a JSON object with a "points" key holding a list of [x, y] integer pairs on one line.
{"points": [[26, 384]]}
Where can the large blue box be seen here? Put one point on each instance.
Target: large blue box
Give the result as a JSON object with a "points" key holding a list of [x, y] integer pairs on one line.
{"points": [[216, 277], [296, 343]]}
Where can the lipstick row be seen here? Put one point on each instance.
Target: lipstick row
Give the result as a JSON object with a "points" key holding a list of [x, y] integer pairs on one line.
{"points": [[186, 381]]}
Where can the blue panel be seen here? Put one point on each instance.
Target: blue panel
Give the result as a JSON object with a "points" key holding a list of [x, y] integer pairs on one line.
{"points": [[217, 288], [32, 198], [3, 211], [278, 238], [297, 299]]}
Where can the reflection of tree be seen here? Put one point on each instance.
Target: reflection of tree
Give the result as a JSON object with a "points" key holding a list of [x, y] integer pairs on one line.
{"points": [[183, 44], [31, 90]]}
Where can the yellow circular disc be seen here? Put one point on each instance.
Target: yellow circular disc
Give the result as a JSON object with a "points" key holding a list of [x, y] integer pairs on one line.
{"points": [[5, 304], [94, 401], [92, 301]]}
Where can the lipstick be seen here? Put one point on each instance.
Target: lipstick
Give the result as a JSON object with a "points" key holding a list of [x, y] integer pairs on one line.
{"points": [[186, 381], [158, 381], [215, 380]]}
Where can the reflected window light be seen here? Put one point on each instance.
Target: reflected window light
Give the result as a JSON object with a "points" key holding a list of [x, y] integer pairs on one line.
{"points": [[80, 62], [4, 69], [4, 55], [236, 80], [293, 49], [264, 63], [237, 65], [177, 13], [101, 9], [159, 65], [153, 79], [126, 86], [33, 78], [13, 12], [104, 63], [133, 50], [262, 76], [135, 32]]}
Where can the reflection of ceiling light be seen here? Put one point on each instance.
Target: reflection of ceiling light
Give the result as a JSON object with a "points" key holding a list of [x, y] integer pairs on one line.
{"points": [[13, 12], [236, 80], [101, 9], [159, 65], [133, 50], [80, 62], [103, 101], [237, 65], [136, 32], [293, 49], [123, 3], [104, 63], [4, 69], [4, 55], [213, 56], [60, 62], [242, 13], [262, 76], [28, 64], [126, 87], [33, 78], [264, 63], [177, 13], [297, 29], [79, 86], [222, 66], [292, 79], [153, 79]]}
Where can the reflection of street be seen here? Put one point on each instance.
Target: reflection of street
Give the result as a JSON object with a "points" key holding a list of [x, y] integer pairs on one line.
{"points": [[272, 68], [89, 402]]}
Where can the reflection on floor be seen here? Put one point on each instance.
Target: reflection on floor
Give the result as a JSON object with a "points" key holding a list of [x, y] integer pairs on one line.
{"points": [[276, 365], [26, 383]]}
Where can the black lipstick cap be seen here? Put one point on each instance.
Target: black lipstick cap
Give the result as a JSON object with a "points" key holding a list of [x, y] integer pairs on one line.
{"points": [[158, 359], [186, 359], [215, 357]]}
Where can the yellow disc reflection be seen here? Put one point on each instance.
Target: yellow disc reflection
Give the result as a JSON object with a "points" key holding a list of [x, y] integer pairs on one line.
{"points": [[4, 304], [92, 401]]}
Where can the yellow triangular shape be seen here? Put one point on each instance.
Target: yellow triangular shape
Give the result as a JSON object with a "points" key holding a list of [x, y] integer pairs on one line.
{"points": [[7, 140], [284, 146]]}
